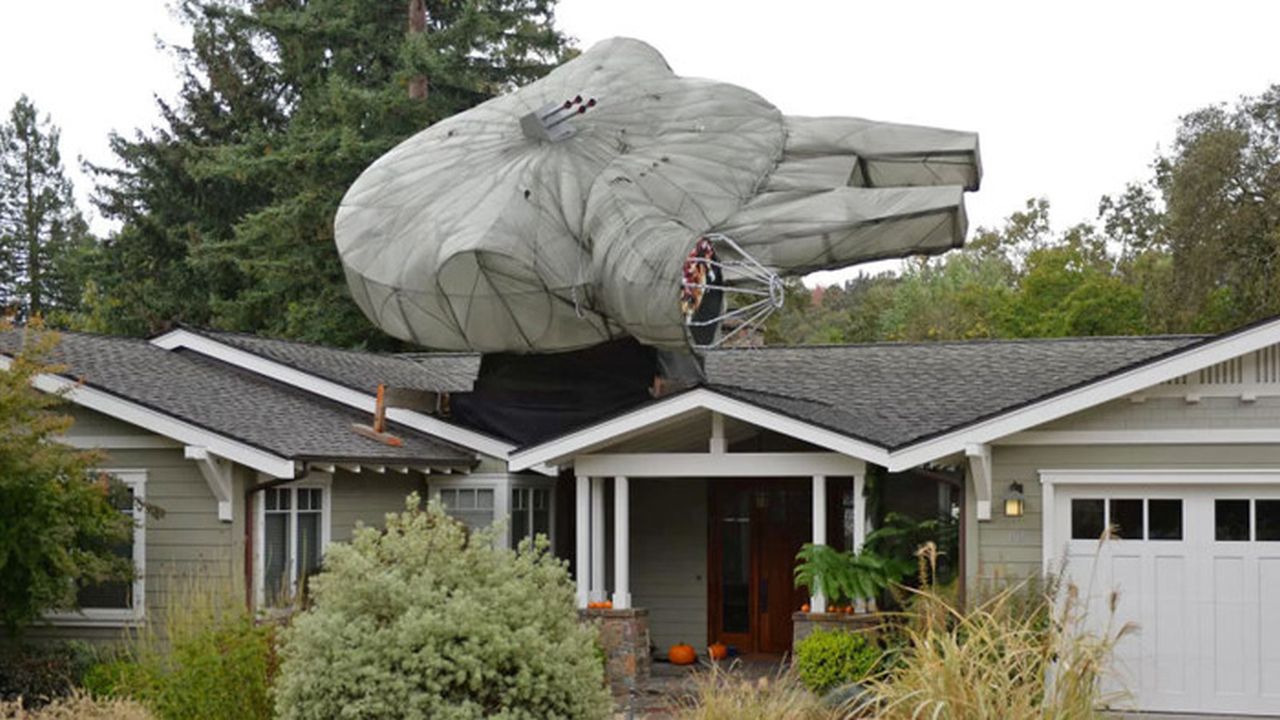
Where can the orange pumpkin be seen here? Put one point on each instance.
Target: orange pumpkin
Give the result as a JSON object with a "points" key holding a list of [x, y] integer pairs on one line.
{"points": [[804, 608], [718, 651], [607, 604], [682, 654]]}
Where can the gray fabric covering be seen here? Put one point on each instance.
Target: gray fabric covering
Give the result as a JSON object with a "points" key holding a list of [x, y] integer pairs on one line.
{"points": [[894, 394], [237, 404], [364, 371], [473, 236]]}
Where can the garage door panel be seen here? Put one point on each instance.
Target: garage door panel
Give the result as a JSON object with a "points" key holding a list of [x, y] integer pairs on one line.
{"points": [[1228, 633], [1168, 634], [1269, 624]]}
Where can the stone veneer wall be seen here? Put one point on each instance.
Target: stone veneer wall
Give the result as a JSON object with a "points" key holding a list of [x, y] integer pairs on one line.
{"points": [[624, 636], [804, 623]]}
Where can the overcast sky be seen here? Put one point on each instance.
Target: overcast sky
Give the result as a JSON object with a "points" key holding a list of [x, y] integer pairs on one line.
{"points": [[1071, 99]]}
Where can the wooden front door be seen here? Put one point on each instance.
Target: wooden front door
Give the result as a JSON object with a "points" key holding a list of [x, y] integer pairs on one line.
{"points": [[757, 527]]}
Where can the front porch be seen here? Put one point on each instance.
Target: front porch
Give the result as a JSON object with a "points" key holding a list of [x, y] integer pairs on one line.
{"points": [[696, 520]]}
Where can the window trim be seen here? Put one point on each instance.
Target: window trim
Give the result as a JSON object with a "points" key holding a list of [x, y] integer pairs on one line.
{"points": [[503, 486], [136, 480], [315, 480]]}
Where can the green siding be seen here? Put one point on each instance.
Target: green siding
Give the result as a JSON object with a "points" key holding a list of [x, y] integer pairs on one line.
{"points": [[367, 497], [669, 558]]}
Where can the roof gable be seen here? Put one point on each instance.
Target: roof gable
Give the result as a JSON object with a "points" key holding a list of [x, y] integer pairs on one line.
{"points": [[245, 407]]}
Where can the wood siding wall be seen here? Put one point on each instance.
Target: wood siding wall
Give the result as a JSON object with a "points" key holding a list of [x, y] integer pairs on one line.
{"points": [[669, 558]]}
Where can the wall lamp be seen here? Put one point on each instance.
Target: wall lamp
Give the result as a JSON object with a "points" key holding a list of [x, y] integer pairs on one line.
{"points": [[1015, 503]]}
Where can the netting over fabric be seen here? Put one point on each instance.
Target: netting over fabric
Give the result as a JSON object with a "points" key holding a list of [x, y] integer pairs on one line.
{"points": [[479, 233]]}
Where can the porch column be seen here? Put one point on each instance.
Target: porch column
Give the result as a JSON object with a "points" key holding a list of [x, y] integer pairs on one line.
{"points": [[859, 511], [621, 544], [816, 601], [597, 540], [861, 605], [582, 525]]}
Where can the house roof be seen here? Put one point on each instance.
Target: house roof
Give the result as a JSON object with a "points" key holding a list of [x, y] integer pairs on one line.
{"points": [[364, 371], [234, 403], [895, 394]]}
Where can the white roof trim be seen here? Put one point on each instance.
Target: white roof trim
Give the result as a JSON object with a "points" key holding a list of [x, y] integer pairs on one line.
{"points": [[302, 380], [600, 434], [1095, 393], [161, 423]]}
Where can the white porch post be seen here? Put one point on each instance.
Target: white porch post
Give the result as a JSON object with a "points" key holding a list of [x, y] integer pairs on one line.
{"points": [[597, 540], [582, 525], [860, 526], [817, 602], [621, 544]]}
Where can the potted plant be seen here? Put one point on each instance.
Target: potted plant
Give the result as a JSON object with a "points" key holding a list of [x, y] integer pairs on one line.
{"points": [[844, 575]]}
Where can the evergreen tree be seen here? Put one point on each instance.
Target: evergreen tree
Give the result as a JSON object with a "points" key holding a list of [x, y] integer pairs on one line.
{"points": [[228, 208], [41, 231]]}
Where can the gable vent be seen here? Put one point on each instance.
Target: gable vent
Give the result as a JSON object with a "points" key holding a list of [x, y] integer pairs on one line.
{"points": [[1266, 365], [1227, 372]]}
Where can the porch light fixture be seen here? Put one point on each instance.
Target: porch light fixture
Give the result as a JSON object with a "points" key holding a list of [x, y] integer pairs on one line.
{"points": [[1014, 501]]}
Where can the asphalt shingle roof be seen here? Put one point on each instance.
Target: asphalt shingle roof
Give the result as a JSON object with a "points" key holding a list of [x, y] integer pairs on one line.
{"points": [[439, 372], [235, 403], [895, 394]]}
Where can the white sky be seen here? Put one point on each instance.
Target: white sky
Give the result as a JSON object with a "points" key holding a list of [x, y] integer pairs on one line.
{"points": [[1071, 99]]}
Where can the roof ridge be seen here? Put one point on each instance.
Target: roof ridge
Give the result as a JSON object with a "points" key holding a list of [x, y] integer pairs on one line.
{"points": [[975, 341], [216, 334]]}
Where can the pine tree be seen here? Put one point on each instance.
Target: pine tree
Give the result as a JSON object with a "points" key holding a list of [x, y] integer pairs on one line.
{"points": [[41, 231], [228, 209]]}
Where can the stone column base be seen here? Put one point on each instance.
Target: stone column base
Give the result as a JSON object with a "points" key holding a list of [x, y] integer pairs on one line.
{"points": [[804, 623], [624, 636]]}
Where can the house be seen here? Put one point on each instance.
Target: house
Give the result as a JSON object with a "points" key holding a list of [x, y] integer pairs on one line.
{"points": [[686, 509]]}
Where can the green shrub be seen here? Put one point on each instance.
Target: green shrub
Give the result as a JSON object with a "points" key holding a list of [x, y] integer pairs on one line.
{"points": [[42, 672], [827, 659], [209, 659], [423, 620]]}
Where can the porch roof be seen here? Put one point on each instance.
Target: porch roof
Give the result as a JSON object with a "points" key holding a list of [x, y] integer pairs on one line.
{"points": [[878, 401]]}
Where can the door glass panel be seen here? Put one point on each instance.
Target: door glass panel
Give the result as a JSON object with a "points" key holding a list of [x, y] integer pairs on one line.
{"points": [[1086, 519], [1164, 520], [1126, 519], [1268, 511], [735, 528], [1231, 520]]}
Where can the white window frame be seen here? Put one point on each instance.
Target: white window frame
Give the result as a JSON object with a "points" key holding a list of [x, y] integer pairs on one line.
{"points": [[315, 480], [503, 485], [136, 480]]}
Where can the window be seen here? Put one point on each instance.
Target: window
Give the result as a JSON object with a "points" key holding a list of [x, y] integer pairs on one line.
{"points": [[1126, 519], [472, 507], [1231, 520], [292, 535], [1268, 512], [1088, 518], [1164, 519], [530, 513], [526, 503], [115, 603]]}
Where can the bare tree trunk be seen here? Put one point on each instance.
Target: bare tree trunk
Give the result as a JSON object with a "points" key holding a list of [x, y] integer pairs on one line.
{"points": [[418, 24]]}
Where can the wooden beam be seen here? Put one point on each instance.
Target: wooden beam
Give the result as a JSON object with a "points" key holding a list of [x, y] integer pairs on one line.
{"points": [[706, 465], [980, 469], [217, 473]]}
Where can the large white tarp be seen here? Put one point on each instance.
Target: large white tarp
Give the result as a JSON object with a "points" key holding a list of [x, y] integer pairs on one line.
{"points": [[472, 235]]}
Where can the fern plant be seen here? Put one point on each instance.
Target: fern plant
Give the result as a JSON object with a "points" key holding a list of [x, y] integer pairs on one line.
{"points": [[846, 576]]}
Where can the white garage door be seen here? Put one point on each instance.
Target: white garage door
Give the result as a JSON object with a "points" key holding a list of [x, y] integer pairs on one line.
{"points": [[1197, 568]]}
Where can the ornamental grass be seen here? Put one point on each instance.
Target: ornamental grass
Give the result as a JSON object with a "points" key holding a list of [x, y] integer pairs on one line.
{"points": [[1025, 653]]}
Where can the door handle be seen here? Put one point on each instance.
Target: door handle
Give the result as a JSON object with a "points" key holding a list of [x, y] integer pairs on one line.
{"points": [[764, 595]]}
